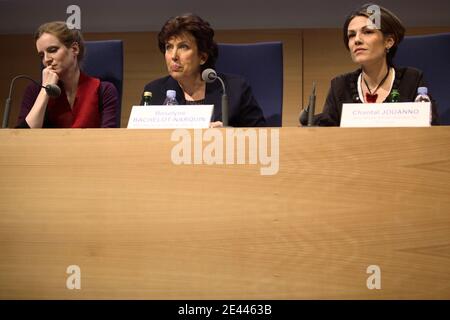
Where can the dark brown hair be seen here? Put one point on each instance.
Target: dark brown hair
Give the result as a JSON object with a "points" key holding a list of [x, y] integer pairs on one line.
{"points": [[64, 34], [198, 28], [390, 25]]}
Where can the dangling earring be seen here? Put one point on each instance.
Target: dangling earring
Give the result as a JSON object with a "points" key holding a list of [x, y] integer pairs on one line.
{"points": [[387, 50]]}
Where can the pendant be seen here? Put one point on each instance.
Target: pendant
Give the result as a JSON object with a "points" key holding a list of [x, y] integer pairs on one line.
{"points": [[371, 98]]}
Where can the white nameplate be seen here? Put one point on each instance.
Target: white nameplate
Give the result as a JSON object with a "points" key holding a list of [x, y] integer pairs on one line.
{"points": [[170, 117], [398, 114]]}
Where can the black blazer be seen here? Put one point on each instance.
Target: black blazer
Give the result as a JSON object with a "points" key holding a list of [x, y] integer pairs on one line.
{"points": [[244, 110], [344, 90]]}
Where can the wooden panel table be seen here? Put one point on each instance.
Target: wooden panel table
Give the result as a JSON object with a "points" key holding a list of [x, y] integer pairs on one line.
{"points": [[140, 227]]}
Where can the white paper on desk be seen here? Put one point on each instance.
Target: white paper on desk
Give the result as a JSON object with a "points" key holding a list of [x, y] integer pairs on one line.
{"points": [[398, 114], [170, 117]]}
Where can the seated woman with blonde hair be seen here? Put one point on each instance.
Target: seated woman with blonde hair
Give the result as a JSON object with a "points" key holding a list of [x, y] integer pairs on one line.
{"points": [[85, 102]]}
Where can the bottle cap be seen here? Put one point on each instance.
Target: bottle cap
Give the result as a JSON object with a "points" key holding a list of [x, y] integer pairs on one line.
{"points": [[148, 94], [422, 90], [171, 94]]}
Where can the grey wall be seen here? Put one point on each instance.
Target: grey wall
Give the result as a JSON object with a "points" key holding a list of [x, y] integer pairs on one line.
{"points": [[23, 16]]}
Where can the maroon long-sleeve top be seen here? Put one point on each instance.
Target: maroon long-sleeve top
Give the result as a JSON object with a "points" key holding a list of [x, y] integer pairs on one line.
{"points": [[95, 106]]}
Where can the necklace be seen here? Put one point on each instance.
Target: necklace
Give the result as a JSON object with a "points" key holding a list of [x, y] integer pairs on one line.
{"points": [[372, 97]]}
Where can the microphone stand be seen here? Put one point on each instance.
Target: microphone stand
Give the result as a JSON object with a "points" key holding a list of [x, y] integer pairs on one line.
{"points": [[307, 115], [312, 106], [210, 75], [49, 89], [8, 100], [224, 104]]}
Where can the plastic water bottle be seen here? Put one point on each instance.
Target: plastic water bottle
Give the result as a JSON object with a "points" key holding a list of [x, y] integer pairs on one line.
{"points": [[422, 95], [171, 97]]}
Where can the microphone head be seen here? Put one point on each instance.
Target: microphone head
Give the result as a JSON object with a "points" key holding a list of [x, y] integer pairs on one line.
{"points": [[303, 119], [53, 90], [209, 75]]}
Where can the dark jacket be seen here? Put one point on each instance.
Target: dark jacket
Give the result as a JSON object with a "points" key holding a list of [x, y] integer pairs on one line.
{"points": [[344, 90], [244, 110]]}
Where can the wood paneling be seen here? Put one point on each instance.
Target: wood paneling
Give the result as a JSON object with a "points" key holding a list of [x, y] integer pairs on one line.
{"points": [[18, 56], [324, 57]]}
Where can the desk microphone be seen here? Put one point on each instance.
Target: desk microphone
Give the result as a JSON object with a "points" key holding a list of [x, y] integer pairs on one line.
{"points": [[209, 75], [307, 115], [52, 90]]}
